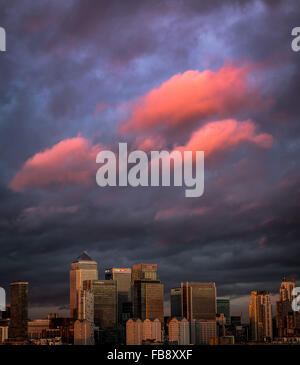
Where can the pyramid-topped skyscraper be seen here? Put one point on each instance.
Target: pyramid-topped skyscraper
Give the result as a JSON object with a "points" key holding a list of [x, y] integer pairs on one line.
{"points": [[83, 268]]}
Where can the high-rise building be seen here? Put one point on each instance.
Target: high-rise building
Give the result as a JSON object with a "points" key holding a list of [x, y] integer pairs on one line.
{"points": [[144, 272], [86, 305], [148, 296], [284, 311], [19, 311], [198, 300], [176, 310], [286, 289], [123, 278], [223, 306], [105, 302], [260, 314], [83, 268]]}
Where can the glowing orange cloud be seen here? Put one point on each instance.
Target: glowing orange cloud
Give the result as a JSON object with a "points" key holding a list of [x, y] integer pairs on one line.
{"points": [[71, 161], [225, 134], [193, 97]]}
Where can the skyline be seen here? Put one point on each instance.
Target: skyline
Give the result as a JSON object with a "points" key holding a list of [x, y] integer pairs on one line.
{"points": [[65, 311], [81, 77]]}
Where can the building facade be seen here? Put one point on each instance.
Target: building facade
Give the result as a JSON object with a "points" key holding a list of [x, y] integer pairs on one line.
{"points": [[260, 315], [223, 306], [105, 302], [123, 278], [18, 311], [176, 310], [83, 268], [198, 300], [148, 299]]}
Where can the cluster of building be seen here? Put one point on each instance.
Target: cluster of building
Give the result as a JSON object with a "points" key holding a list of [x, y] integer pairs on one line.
{"points": [[127, 307]]}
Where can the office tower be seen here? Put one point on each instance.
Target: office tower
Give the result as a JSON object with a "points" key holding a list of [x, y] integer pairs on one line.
{"points": [[84, 334], [19, 311], [86, 305], [198, 300], [260, 314], [284, 307], [105, 302], [123, 278], [223, 306], [144, 272], [176, 310], [134, 332], [152, 330], [148, 299], [83, 268], [286, 289]]}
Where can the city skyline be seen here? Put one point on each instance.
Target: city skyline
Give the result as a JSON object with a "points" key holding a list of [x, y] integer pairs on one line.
{"points": [[84, 258], [81, 77]]}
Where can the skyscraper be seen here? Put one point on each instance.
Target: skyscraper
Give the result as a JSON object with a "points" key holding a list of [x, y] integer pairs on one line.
{"points": [[176, 303], [105, 302], [286, 289], [144, 272], [198, 300], [284, 306], [223, 306], [148, 299], [123, 278], [83, 268], [260, 314], [19, 311]]}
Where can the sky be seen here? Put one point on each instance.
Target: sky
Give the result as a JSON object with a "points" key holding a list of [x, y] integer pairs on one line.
{"points": [[79, 77]]}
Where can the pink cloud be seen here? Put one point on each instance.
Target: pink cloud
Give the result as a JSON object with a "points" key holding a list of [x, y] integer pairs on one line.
{"points": [[71, 161], [191, 97], [225, 134]]}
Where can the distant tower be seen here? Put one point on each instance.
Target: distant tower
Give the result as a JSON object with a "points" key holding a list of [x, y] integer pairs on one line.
{"points": [[176, 303], [286, 289], [260, 314], [83, 268], [123, 277], [19, 311], [223, 306], [105, 301], [148, 299], [144, 272], [198, 300]]}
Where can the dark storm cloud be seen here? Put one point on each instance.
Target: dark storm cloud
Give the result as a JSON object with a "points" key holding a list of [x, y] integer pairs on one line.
{"points": [[63, 60]]}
